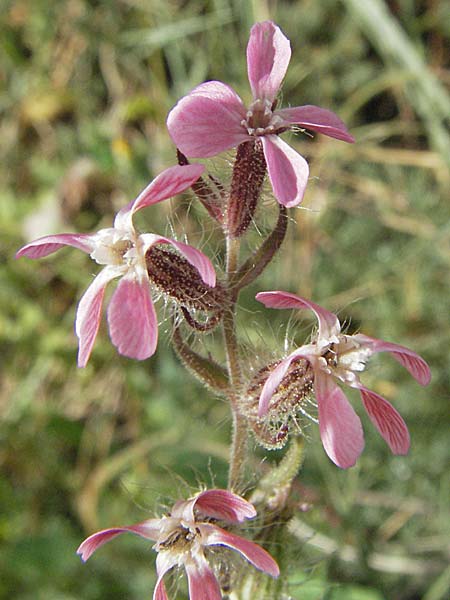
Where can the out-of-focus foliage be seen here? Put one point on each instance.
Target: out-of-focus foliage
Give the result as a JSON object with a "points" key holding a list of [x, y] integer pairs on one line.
{"points": [[85, 89]]}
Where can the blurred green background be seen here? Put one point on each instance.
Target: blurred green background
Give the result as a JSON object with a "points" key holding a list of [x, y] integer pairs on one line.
{"points": [[85, 89]]}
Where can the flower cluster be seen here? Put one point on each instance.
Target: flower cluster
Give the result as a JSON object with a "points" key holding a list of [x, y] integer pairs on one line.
{"points": [[211, 119]]}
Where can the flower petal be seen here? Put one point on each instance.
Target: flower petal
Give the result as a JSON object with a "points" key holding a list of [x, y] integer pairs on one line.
{"points": [[202, 582], [222, 504], [252, 552], [268, 56], [207, 121], [340, 427], [316, 119], [51, 243], [133, 326], [288, 171], [387, 420], [414, 363], [159, 592], [170, 182], [164, 562], [89, 308], [147, 529], [329, 325]]}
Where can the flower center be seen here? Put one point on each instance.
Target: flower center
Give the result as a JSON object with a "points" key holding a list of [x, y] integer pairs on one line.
{"points": [[114, 247], [345, 358], [178, 538], [261, 120]]}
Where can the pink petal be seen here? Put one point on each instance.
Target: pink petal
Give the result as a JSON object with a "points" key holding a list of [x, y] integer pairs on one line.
{"points": [[170, 182], [222, 504], [252, 552], [274, 380], [88, 313], [160, 590], [329, 325], [208, 121], [387, 420], [133, 326], [340, 427], [202, 582], [184, 509], [148, 529], [414, 363], [268, 56], [316, 119], [288, 171], [51, 243], [164, 562]]}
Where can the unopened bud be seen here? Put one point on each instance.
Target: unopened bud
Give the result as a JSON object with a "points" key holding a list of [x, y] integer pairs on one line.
{"points": [[177, 278], [248, 176]]}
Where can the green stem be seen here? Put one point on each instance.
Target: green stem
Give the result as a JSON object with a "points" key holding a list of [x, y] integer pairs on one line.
{"points": [[274, 488], [239, 436]]}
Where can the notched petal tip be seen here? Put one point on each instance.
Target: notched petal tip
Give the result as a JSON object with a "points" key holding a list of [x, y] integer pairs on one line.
{"points": [[268, 56]]}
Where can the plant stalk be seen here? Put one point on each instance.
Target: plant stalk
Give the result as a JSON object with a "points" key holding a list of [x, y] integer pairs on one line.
{"points": [[239, 435]]}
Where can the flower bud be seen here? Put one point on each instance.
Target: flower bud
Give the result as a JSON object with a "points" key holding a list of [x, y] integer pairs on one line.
{"points": [[248, 176], [177, 278]]}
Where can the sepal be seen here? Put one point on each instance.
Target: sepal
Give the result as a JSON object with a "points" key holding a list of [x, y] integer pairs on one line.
{"points": [[206, 370]]}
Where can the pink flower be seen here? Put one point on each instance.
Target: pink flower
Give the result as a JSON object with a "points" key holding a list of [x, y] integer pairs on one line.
{"points": [[132, 319], [212, 117], [182, 536], [334, 355]]}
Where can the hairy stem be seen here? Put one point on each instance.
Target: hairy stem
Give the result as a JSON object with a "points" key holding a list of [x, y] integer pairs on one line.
{"points": [[258, 261], [239, 436]]}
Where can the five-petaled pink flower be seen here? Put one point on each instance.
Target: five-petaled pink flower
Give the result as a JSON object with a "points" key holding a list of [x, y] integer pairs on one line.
{"points": [[212, 117], [334, 355], [131, 315], [182, 536]]}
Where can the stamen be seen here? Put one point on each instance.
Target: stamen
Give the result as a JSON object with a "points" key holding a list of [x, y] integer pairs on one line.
{"points": [[260, 119]]}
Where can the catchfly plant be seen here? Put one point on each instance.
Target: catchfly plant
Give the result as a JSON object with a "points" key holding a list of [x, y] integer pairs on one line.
{"points": [[213, 118], [185, 535], [333, 356], [229, 542], [132, 321]]}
